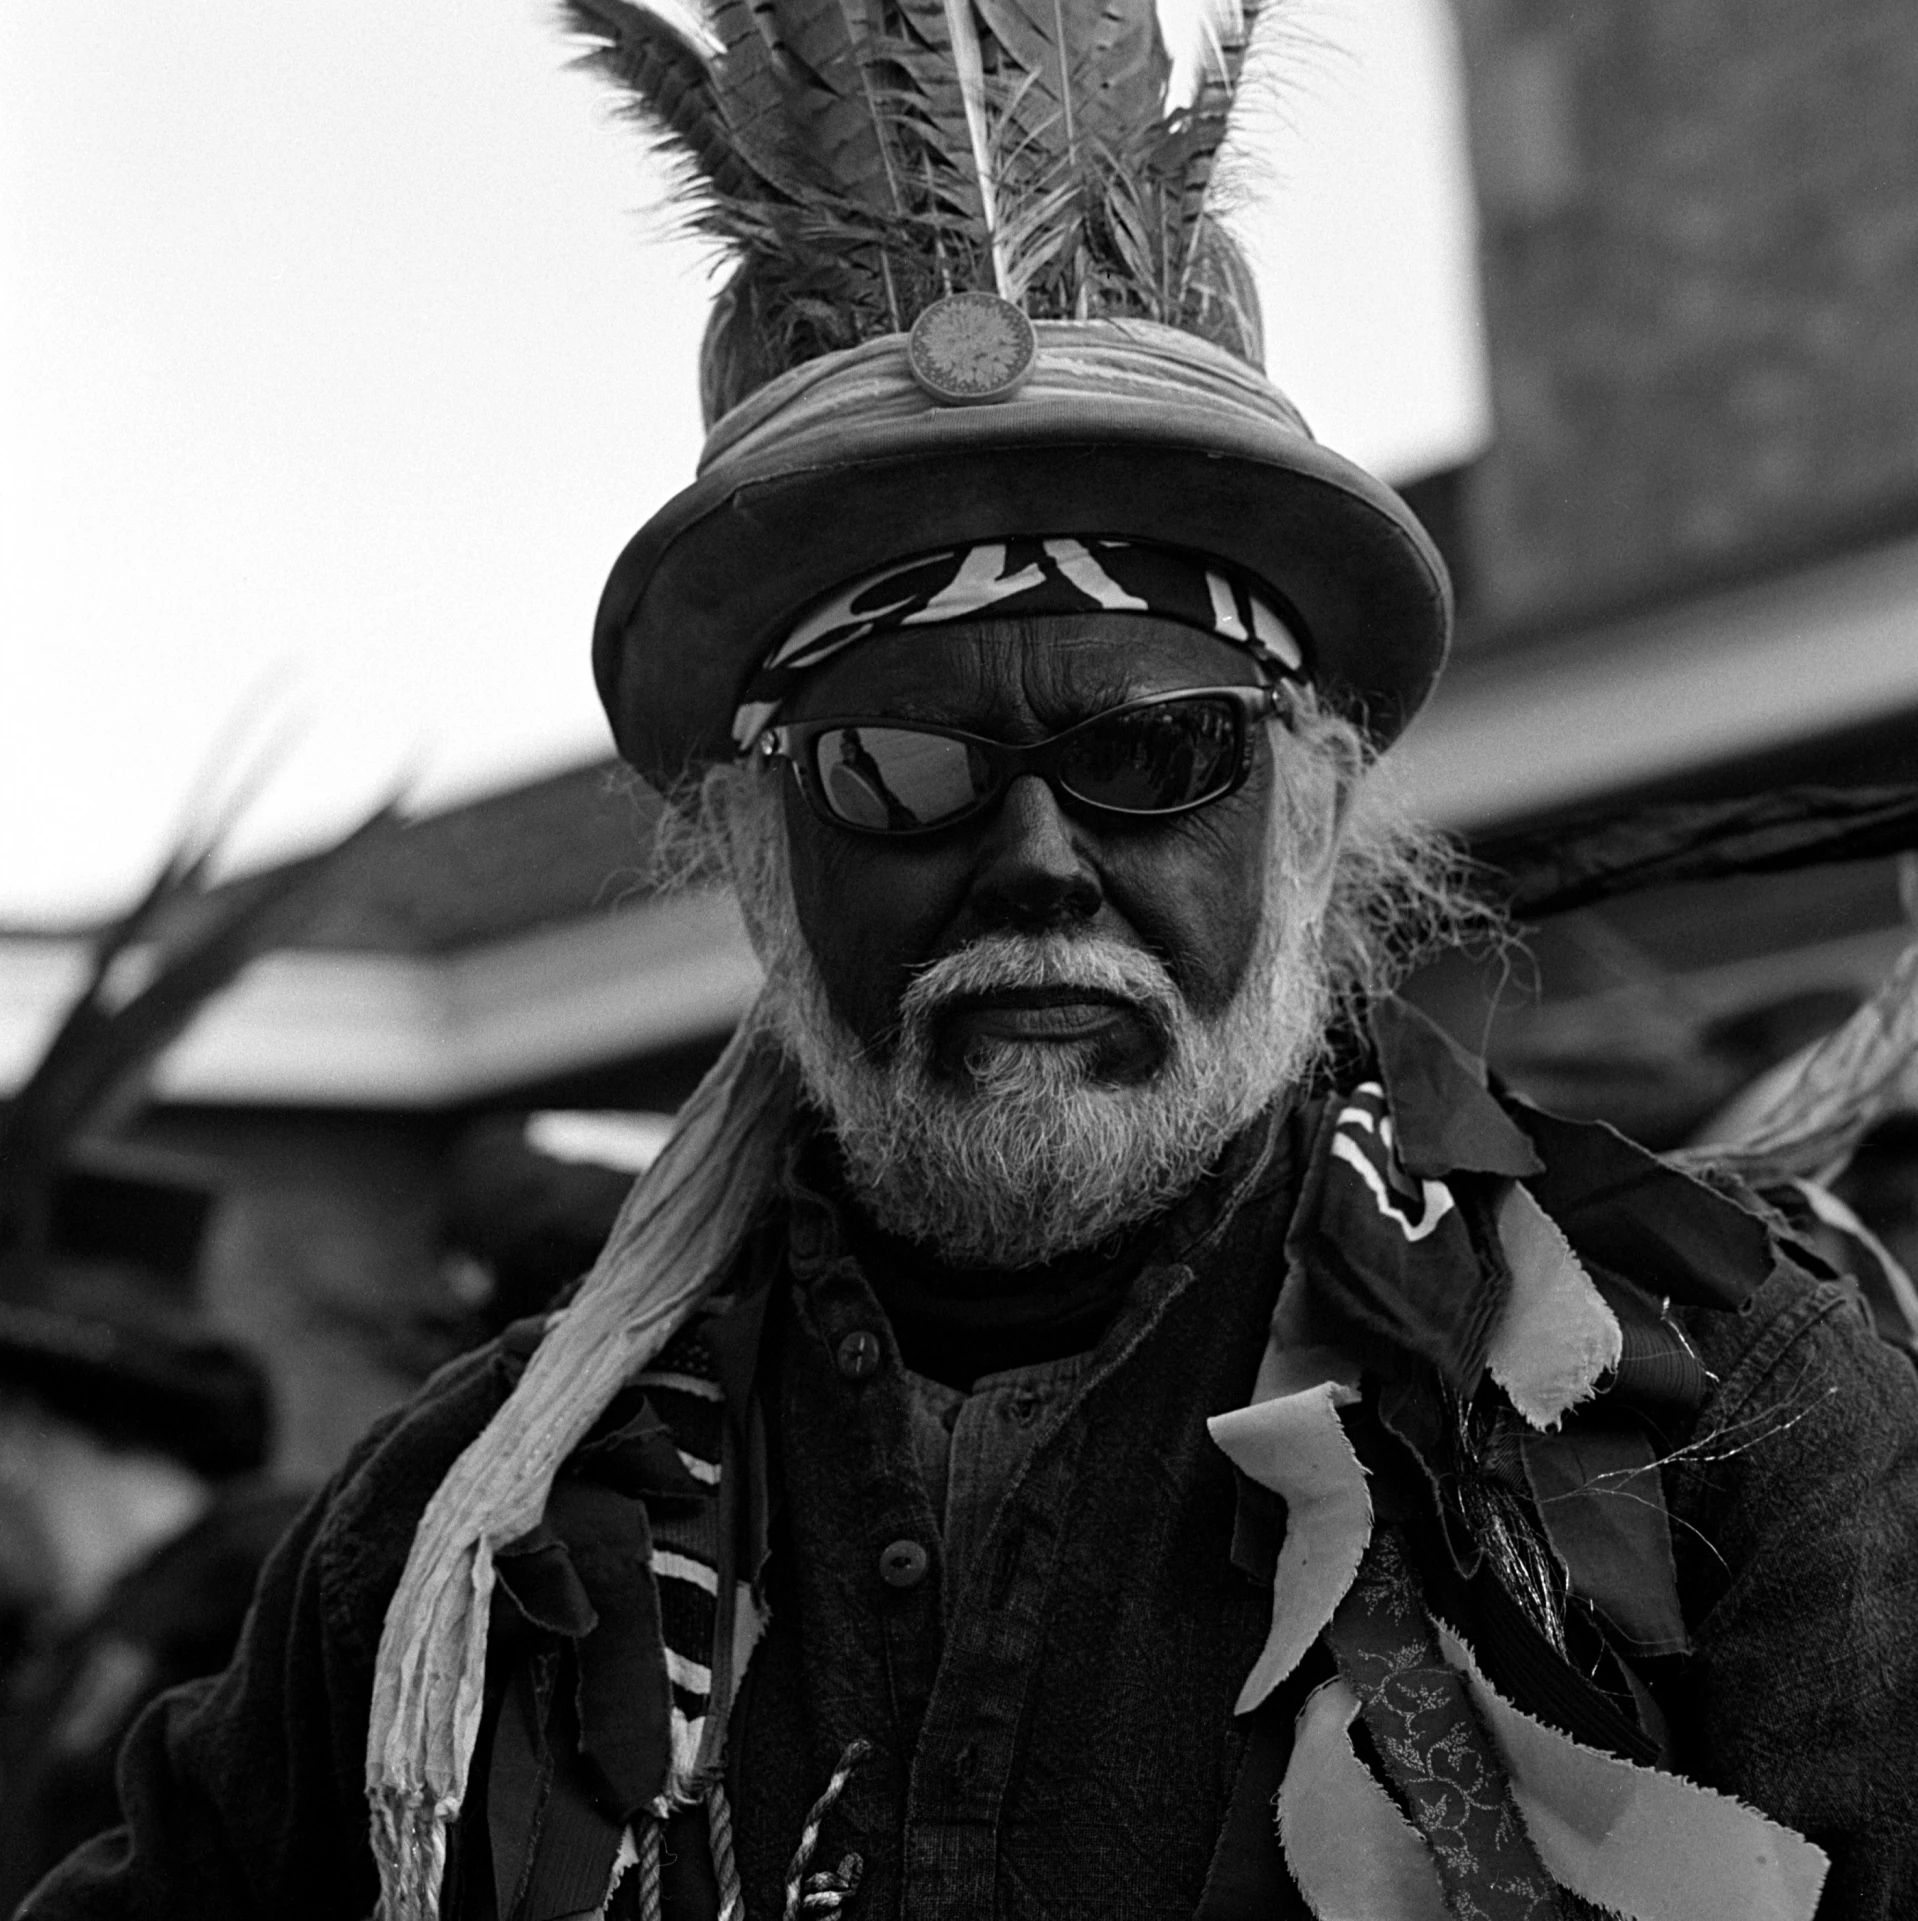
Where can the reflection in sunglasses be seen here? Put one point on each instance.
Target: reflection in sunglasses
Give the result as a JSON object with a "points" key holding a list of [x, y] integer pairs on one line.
{"points": [[1161, 754]]}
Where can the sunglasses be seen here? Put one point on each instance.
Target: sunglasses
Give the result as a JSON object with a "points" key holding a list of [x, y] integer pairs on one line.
{"points": [[1165, 754]]}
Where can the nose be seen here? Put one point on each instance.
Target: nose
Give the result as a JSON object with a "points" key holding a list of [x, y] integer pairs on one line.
{"points": [[1032, 874]]}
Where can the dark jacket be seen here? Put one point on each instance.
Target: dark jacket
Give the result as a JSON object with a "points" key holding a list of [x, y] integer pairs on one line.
{"points": [[1063, 1744]]}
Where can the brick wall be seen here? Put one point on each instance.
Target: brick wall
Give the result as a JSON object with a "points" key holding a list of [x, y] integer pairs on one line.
{"points": [[1700, 227]]}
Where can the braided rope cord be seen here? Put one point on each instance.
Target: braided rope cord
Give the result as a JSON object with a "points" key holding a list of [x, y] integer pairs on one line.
{"points": [[856, 1751], [651, 1905], [719, 1826]]}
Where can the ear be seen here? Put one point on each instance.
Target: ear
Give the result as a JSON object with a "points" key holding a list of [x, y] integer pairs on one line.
{"points": [[743, 827], [1317, 878], [1326, 793]]}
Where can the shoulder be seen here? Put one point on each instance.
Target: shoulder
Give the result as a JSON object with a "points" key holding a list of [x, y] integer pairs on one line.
{"points": [[370, 1510], [1803, 1389]]}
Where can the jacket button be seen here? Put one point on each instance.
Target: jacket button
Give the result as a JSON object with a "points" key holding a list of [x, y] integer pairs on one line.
{"points": [[903, 1564], [857, 1355]]}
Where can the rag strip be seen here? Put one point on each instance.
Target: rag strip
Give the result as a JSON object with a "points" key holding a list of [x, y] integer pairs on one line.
{"points": [[1491, 1811], [708, 1631], [1389, 1185], [675, 1238], [1022, 577], [1432, 1745]]}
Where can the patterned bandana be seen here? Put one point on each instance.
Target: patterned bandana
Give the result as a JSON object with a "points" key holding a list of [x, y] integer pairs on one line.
{"points": [[1021, 577]]}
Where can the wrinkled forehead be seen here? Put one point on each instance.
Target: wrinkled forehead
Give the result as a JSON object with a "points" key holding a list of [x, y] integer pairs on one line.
{"points": [[998, 674]]}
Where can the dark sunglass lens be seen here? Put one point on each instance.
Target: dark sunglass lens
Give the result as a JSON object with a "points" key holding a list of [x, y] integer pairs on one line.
{"points": [[895, 779], [1155, 759]]}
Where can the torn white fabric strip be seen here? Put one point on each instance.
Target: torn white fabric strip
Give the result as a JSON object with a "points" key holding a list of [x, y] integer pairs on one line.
{"points": [[1295, 1445], [1555, 1336], [627, 1857], [1646, 1844], [1354, 1856]]}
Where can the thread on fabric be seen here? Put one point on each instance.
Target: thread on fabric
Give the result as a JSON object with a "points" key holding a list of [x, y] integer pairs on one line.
{"points": [[719, 1827], [675, 1239], [854, 1752]]}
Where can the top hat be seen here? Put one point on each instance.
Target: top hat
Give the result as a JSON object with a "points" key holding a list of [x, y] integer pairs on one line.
{"points": [[1031, 196], [1116, 428]]}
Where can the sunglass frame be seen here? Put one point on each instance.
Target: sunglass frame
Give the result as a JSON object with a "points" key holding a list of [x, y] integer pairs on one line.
{"points": [[792, 742]]}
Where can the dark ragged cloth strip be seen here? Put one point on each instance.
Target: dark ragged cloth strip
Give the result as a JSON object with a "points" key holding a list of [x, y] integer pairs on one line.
{"points": [[690, 1562], [1595, 1480], [1551, 1551], [1403, 1262], [1594, 857], [1599, 1494], [1391, 1254], [1445, 1119], [1624, 1209], [1434, 1752]]}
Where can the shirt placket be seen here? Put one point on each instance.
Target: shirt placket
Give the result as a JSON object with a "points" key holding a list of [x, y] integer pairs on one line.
{"points": [[969, 1740], [850, 1416], [994, 1429], [961, 1676]]}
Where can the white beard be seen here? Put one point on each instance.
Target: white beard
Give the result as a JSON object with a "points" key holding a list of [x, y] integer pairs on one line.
{"points": [[1024, 1152]]}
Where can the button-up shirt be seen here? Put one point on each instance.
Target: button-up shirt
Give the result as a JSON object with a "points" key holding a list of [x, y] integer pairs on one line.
{"points": [[1056, 1738], [1051, 1735], [970, 1446]]}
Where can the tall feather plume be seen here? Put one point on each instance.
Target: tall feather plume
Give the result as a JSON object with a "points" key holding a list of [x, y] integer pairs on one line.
{"points": [[181, 942], [968, 66], [858, 159], [1226, 30]]}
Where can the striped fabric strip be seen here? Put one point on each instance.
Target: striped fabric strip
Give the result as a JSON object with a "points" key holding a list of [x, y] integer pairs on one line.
{"points": [[682, 1567], [710, 1623], [689, 1677], [691, 1543], [700, 1390]]}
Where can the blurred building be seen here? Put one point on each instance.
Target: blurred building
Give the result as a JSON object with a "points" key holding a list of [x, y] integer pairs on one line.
{"points": [[1688, 566], [347, 1096], [1690, 556]]}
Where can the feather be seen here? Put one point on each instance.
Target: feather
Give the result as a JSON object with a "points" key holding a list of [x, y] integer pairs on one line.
{"points": [[670, 87], [859, 159], [836, 134], [1226, 31], [1100, 66], [153, 969], [968, 65]]}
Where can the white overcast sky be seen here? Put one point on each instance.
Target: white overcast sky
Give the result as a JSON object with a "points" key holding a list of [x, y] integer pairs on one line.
{"points": [[338, 359]]}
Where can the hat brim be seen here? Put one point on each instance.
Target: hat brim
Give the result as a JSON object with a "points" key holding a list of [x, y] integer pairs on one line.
{"points": [[715, 579]]}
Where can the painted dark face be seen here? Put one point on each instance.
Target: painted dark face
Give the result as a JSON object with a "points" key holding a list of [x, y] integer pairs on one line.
{"points": [[1186, 889]]}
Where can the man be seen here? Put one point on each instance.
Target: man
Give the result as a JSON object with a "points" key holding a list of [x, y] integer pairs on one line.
{"points": [[1098, 1411]]}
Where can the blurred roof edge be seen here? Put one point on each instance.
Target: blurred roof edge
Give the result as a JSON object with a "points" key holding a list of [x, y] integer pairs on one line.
{"points": [[346, 1028], [523, 936]]}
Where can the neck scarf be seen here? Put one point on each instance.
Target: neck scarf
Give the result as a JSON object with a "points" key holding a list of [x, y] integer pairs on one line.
{"points": [[674, 1240]]}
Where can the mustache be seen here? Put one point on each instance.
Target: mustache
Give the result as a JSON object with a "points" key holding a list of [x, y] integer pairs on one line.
{"points": [[1091, 967]]}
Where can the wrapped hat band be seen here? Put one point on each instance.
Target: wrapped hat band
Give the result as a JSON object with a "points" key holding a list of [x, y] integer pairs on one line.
{"points": [[846, 470], [1120, 363], [1014, 578]]}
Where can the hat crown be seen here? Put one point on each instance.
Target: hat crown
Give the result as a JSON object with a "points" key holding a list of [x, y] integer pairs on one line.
{"points": [[1114, 365]]}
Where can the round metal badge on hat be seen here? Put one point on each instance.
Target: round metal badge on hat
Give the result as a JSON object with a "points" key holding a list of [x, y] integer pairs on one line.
{"points": [[971, 349]]}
